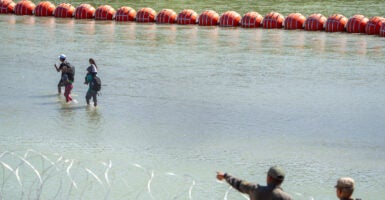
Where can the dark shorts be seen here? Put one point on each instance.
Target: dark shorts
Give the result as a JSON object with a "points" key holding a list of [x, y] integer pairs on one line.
{"points": [[61, 83]]}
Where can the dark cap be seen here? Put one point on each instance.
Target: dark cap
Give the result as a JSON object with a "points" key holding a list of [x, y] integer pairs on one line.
{"points": [[277, 173], [345, 182]]}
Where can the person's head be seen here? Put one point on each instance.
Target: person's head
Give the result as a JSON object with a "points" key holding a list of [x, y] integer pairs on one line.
{"points": [[275, 175], [344, 187], [92, 61], [62, 57]]}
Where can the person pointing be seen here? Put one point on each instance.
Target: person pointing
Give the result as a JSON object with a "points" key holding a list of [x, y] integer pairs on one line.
{"points": [[272, 191]]}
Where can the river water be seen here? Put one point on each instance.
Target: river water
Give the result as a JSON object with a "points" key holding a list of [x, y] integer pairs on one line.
{"points": [[179, 103]]}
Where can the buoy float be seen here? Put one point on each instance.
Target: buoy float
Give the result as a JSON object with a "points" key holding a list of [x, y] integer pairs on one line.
{"points": [[166, 16], [208, 18], [104, 12], [125, 13], [7, 6], [44, 9], [382, 30], [84, 11], [273, 20], [356, 24], [64, 10], [336, 23], [251, 20], [230, 19], [187, 16], [373, 25], [315, 22], [24, 7], [146, 15], [294, 21]]}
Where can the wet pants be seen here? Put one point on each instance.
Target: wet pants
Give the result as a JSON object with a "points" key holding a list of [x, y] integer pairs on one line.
{"points": [[67, 92], [93, 94]]}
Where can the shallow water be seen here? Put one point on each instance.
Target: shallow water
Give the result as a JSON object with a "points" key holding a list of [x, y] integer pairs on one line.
{"points": [[180, 102]]}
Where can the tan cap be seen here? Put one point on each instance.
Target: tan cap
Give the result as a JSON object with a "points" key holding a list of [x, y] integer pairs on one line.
{"points": [[345, 182], [277, 173]]}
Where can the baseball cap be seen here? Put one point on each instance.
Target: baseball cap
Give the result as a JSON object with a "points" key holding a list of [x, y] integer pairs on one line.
{"points": [[277, 173], [62, 56], [345, 182]]}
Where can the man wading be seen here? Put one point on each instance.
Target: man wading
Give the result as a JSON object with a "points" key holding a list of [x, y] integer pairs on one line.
{"points": [[67, 77], [272, 191], [64, 64]]}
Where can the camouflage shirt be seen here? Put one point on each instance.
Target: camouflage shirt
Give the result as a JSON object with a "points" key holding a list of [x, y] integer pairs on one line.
{"points": [[256, 191]]}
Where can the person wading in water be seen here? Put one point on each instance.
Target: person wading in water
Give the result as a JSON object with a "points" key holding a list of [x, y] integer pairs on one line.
{"points": [[62, 67], [93, 81]]}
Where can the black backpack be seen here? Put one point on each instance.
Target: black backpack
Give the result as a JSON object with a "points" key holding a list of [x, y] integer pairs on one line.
{"points": [[96, 83], [71, 72]]}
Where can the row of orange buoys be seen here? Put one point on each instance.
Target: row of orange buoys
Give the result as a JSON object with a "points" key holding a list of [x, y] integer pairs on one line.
{"points": [[314, 22]]}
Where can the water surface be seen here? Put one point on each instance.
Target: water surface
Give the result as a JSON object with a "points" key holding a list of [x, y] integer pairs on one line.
{"points": [[180, 102]]}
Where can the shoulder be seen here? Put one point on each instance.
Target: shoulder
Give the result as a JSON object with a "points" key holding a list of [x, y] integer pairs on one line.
{"points": [[283, 195], [68, 64], [65, 64]]}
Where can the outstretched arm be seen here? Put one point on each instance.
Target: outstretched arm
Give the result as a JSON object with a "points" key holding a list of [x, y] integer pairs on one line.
{"points": [[240, 185]]}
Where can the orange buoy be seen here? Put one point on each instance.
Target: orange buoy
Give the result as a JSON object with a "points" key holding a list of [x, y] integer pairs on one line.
{"points": [[356, 24], [24, 7], [44, 8], [125, 13], [208, 18], [166, 16], [7, 6], [336, 23], [187, 16], [104, 12], [373, 25], [315, 22], [84, 11], [146, 15], [230, 18], [273, 20], [64, 10], [251, 20], [294, 21], [382, 30]]}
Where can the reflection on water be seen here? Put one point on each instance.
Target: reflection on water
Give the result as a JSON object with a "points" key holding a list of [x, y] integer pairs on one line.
{"points": [[65, 21], [125, 31], [85, 27], [94, 120], [27, 20], [145, 35]]}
